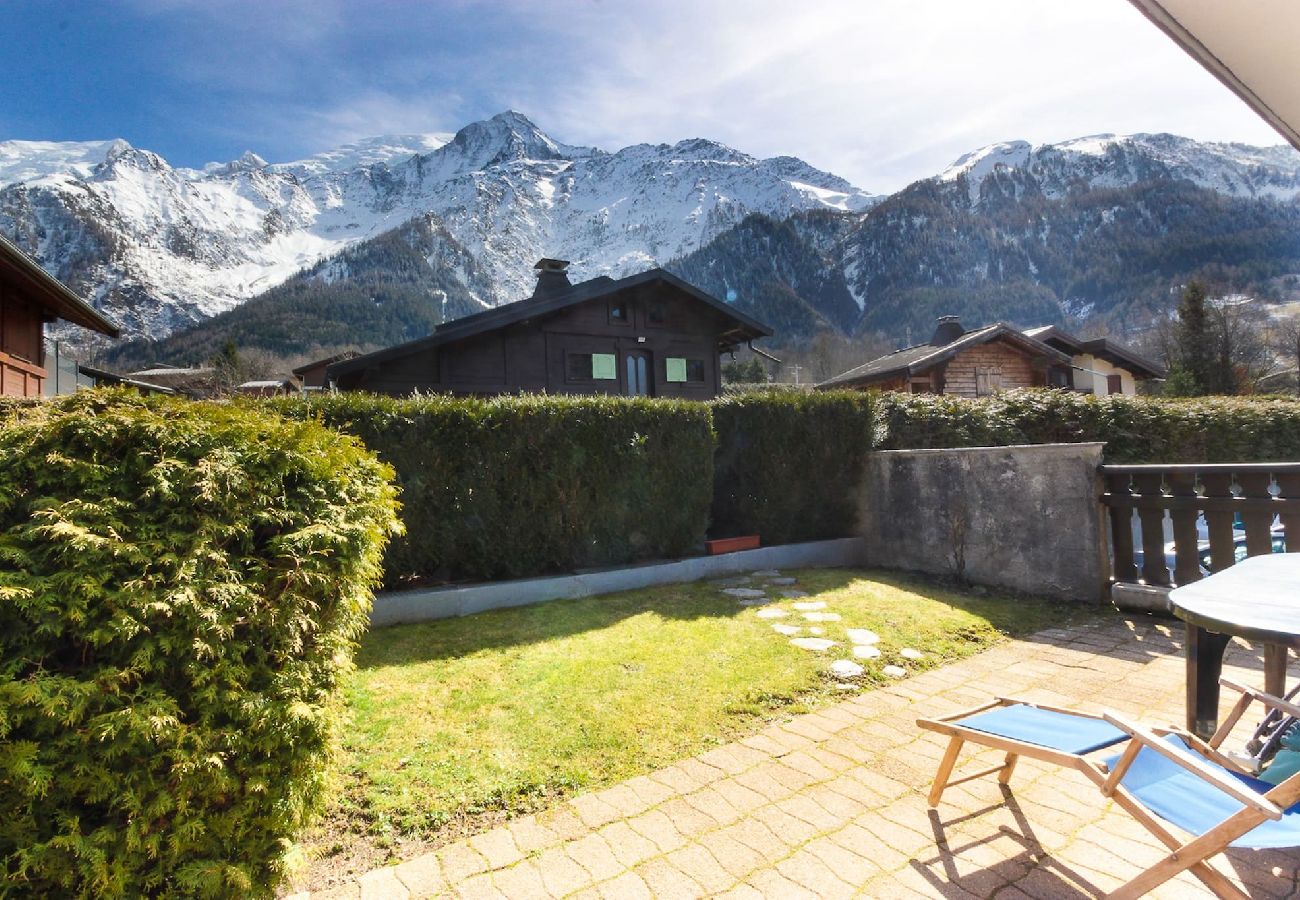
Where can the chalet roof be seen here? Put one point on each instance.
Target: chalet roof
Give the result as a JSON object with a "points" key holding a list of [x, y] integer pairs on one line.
{"points": [[915, 360], [327, 361], [1113, 352], [103, 376], [51, 293], [744, 327]]}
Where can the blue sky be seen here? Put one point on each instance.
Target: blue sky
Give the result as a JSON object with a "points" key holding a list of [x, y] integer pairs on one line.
{"points": [[879, 91]]}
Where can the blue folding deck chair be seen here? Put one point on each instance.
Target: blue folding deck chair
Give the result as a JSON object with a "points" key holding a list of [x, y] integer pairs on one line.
{"points": [[1163, 777]]}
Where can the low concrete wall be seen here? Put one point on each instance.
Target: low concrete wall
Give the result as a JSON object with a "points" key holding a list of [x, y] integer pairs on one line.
{"points": [[1024, 517], [396, 607]]}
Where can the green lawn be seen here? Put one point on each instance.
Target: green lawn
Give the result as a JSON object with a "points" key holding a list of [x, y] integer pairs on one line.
{"points": [[457, 722]]}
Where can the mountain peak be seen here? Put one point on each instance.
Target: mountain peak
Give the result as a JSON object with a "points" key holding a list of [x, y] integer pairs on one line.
{"points": [[505, 137], [978, 163]]}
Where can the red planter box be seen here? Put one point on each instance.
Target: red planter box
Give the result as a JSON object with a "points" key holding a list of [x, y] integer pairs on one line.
{"points": [[731, 545]]}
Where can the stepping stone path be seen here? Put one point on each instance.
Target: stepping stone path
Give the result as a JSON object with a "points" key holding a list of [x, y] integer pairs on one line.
{"points": [[816, 644], [863, 641]]}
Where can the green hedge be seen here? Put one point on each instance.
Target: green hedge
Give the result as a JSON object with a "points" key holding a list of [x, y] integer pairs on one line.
{"points": [[789, 464], [517, 486], [1135, 429], [181, 585]]}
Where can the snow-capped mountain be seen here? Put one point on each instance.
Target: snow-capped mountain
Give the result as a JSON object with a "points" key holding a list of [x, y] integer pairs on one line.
{"points": [[158, 247], [1107, 160], [1094, 223]]}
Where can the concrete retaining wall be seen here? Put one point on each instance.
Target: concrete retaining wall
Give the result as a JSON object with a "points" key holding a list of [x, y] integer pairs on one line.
{"points": [[421, 605], [1024, 517]]}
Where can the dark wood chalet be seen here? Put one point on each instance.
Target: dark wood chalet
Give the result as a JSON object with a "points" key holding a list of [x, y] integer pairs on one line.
{"points": [[30, 297], [647, 335]]}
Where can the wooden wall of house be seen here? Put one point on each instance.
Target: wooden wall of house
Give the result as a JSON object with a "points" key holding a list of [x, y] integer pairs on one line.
{"points": [[22, 345], [968, 373], [553, 353]]}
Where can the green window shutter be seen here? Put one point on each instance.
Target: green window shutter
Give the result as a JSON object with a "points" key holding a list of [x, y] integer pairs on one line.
{"points": [[602, 366], [676, 369]]}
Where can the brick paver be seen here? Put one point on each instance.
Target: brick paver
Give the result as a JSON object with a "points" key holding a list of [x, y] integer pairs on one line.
{"points": [[833, 803]]}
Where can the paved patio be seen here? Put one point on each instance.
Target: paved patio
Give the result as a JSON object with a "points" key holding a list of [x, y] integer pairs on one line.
{"points": [[832, 804]]}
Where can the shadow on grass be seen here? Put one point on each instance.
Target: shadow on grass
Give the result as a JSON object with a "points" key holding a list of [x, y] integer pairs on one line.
{"points": [[518, 626], [521, 625]]}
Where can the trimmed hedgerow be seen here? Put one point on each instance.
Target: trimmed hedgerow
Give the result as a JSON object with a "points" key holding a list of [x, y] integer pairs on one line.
{"points": [[1135, 429], [788, 464], [181, 585], [515, 486]]}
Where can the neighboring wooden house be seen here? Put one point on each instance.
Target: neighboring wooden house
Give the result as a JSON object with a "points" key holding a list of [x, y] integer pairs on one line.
{"points": [[1100, 365], [650, 334], [967, 363], [30, 297], [312, 375]]}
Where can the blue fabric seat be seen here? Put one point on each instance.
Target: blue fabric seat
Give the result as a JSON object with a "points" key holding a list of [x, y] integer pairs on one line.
{"points": [[1188, 801], [1046, 728]]}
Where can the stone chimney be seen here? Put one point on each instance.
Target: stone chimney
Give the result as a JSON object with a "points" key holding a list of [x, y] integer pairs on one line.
{"points": [[947, 331], [552, 278]]}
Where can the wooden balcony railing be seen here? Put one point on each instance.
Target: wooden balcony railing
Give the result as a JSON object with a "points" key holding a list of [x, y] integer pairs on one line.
{"points": [[1255, 492]]}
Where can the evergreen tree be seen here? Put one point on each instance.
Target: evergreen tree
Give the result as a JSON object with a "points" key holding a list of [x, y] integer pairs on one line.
{"points": [[750, 372], [1194, 344]]}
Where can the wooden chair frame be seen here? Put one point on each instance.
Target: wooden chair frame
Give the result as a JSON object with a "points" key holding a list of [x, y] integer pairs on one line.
{"points": [[1184, 855]]}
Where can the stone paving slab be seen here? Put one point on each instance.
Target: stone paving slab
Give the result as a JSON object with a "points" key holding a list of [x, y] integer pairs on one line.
{"points": [[832, 804]]}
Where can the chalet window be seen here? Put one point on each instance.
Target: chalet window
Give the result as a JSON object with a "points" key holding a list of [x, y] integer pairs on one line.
{"points": [[590, 367], [681, 370], [618, 313], [657, 313], [988, 380]]}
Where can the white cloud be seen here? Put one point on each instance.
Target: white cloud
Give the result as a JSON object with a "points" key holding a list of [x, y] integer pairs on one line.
{"points": [[885, 92], [879, 91]]}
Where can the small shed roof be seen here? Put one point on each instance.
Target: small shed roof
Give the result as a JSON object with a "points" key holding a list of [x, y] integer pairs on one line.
{"points": [[915, 360], [327, 361], [745, 327], [51, 293]]}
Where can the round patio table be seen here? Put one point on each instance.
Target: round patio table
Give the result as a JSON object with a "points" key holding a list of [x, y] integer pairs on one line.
{"points": [[1259, 599]]}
